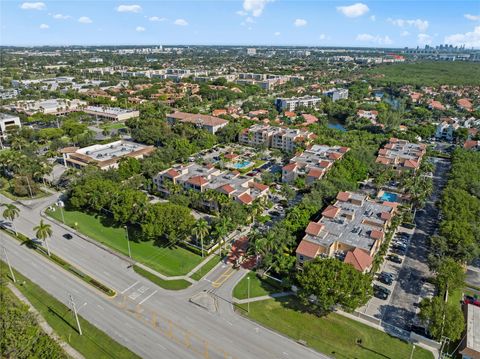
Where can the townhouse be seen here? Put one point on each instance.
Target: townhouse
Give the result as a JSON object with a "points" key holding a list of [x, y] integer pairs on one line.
{"points": [[313, 163], [209, 123], [351, 230], [446, 128], [285, 139], [200, 178], [401, 155]]}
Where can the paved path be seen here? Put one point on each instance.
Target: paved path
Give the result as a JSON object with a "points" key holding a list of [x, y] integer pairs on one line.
{"points": [[263, 297]]}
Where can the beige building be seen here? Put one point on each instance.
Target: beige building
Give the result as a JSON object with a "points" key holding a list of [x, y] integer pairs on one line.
{"points": [[111, 113], [209, 123], [401, 154]]}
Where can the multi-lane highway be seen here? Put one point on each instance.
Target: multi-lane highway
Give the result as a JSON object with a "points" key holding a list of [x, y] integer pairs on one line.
{"points": [[152, 322]]}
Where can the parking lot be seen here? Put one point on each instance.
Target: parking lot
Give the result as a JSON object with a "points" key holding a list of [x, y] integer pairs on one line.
{"points": [[410, 285]]}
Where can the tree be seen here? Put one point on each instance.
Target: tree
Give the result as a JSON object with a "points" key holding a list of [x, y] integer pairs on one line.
{"points": [[43, 231], [443, 319], [201, 230], [11, 212], [324, 283], [221, 229], [450, 276]]}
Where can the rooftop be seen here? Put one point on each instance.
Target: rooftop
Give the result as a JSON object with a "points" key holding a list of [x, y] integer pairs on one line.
{"points": [[401, 153], [203, 120], [110, 150], [109, 110]]}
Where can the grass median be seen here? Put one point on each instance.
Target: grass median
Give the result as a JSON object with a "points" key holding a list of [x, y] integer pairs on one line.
{"points": [[170, 261], [94, 343], [333, 335], [176, 284], [207, 267]]}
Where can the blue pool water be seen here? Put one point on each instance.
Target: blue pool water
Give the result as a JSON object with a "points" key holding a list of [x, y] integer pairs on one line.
{"points": [[241, 165], [389, 197]]}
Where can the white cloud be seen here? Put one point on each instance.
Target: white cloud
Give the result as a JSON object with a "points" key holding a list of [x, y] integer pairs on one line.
{"points": [[249, 20], [404, 33], [424, 39], [84, 20], [472, 17], [156, 18], [277, 33], [44, 26], [61, 17], [421, 25], [129, 8], [140, 29], [254, 7], [300, 22], [242, 13], [374, 39], [469, 39], [181, 22], [354, 10], [33, 6], [373, 18], [324, 37]]}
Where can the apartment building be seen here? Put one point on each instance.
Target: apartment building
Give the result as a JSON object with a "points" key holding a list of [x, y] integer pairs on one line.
{"points": [[290, 104], [336, 94], [401, 154], [200, 178], [111, 113], [104, 156], [313, 163], [351, 230], [446, 129], [210, 123], [286, 139], [7, 123]]}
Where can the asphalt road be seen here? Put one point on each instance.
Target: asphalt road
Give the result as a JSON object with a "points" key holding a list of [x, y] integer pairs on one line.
{"points": [[408, 292], [147, 319]]}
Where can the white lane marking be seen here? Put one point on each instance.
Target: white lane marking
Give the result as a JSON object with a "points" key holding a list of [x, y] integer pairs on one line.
{"points": [[142, 289], [133, 285], [285, 353], [98, 305], [148, 297], [107, 274]]}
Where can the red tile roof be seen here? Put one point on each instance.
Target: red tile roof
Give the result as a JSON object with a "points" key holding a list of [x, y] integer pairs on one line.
{"points": [[344, 149], [330, 211], [464, 103], [359, 258], [334, 156], [173, 173], [386, 216], [259, 186], [470, 144], [315, 172], [307, 249], [390, 204], [314, 228], [197, 181], [325, 164], [343, 196], [376, 234], [230, 156], [245, 198], [382, 160], [227, 188], [411, 164], [290, 167]]}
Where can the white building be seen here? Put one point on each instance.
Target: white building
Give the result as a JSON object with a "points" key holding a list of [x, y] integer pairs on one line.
{"points": [[251, 51], [111, 113], [446, 129], [209, 123], [290, 104], [337, 94], [51, 107], [7, 123]]}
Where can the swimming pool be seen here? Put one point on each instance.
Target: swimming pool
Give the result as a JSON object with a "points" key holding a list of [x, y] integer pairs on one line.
{"points": [[389, 197], [242, 165]]}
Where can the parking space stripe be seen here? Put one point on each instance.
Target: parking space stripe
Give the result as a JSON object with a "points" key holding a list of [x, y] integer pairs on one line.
{"points": [[148, 297], [126, 289]]}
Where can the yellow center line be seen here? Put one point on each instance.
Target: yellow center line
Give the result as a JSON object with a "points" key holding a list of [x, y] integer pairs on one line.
{"points": [[223, 277]]}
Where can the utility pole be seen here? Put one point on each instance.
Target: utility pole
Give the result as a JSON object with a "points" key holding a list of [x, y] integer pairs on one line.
{"points": [[61, 205], [128, 241], [74, 308], [413, 349], [9, 265], [248, 293]]}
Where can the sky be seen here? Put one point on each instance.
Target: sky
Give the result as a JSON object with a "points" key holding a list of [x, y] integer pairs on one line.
{"points": [[387, 23]]}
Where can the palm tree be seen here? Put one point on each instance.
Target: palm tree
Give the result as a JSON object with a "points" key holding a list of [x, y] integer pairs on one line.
{"points": [[201, 230], [11, 212], [221, 229], [43, 232]]}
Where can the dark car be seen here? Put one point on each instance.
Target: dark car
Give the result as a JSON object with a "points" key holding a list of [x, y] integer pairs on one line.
{"points": [[380, 295], [67, 236], [468, 299], [381, 288], [394, 258], [386, 278], [399, 251]]}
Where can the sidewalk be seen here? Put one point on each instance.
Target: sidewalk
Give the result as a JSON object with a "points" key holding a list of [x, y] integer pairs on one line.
{"points": [[263, 297]]}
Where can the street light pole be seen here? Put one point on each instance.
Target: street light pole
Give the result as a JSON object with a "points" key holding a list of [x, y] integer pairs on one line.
{"points": [[9, 265], [128, 242], [248, 293], [61, 205], [74, 308]]}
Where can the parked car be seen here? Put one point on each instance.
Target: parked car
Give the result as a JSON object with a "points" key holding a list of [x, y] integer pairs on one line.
{"points": [[386, 278], [67, 236], [399, 251], [394, 258], [468, 299], [381, 292], [380, 295]]}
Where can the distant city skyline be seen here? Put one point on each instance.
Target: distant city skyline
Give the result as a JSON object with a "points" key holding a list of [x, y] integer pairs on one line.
{"points": [[249, 22]]}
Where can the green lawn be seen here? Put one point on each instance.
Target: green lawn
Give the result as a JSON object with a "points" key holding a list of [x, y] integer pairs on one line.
{"points": [[114, 126], [93, 344], [206, 267], [168, 261], [333, 335], [166, 284], [258, 287]]}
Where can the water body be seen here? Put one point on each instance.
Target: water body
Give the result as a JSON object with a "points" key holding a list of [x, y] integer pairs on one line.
{"points": [[336, 125]]}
